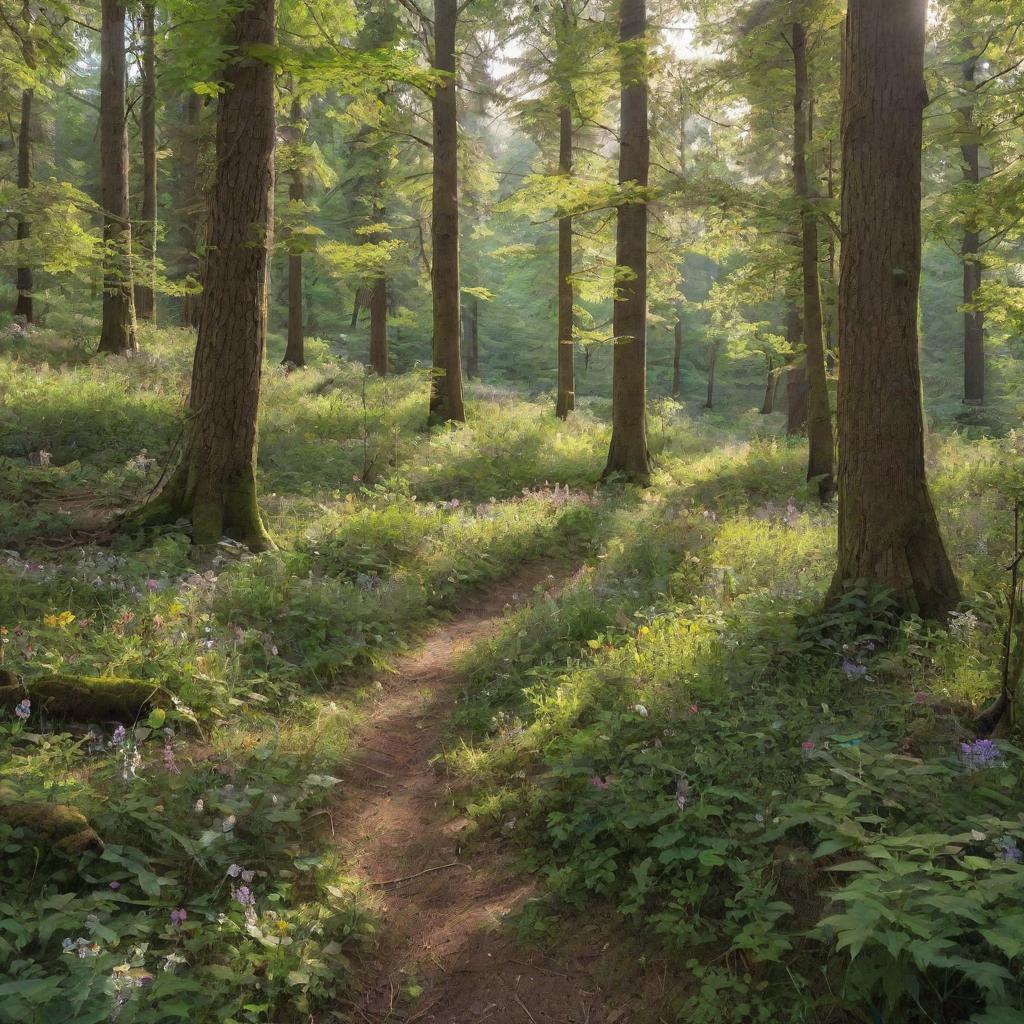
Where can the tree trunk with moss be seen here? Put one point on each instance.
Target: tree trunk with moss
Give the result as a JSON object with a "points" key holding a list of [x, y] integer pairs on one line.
{"points": [[628, 454], [771, 387], [214, 484], [819, 412], [118, 332], [888, 532], [145, 287], [446, 398]]}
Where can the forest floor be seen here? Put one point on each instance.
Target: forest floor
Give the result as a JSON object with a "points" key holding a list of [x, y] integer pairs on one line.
{"points": [[445, 957]]}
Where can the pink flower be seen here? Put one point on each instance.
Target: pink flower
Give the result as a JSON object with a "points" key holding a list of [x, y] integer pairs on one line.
{"points": [[598, 783], [152, 584], [920, 698], [694, 709]]}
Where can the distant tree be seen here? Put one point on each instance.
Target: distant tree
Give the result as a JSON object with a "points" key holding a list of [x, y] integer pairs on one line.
{"points": [[118, 332], [888, 531], [819, 411], [145, 285], [214, 484], [295, 350], [628, 453]]}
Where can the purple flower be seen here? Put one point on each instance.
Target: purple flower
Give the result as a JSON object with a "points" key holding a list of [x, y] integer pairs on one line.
{"points": [[170, 760], [115, 886], [118, 737], [244, 895], [852, 669], [979, 754], [24, 709], [1009, 850], [178, 917]]}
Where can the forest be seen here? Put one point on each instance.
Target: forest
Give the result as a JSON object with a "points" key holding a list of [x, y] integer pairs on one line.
{"points": [[511, 512]]}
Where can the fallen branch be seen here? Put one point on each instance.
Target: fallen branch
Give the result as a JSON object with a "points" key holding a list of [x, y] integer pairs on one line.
{"points": [[426, 871]]}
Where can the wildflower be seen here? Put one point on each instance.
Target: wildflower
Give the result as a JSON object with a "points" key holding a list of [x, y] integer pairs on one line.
{"points": [[171, 961], [152, 585], [694, 709], [807, 747], [852, 669], [178, 917], [61, 621], [24, 709], [962, 625], [979, 754], [234, 871], [170, 760], [244, 896], [118, 736], [598, 783], [200, 806], [644, 631], [115, 885], [1009, 850], [132, 764], [641, 710], [81, 947]]}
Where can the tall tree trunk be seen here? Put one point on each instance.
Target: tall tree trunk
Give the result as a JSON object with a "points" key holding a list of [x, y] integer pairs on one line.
{"points": [[888, 531], [565, 400], [709, 402], [118, 333], [295, 350], [446, 401], [192, 235], [23, 278], [628, 453], [145, 289], [677, 355], [23, 306], [215, 483], [379, 327], [796, 378], [819, 412], [974, 321], [771, 386]]}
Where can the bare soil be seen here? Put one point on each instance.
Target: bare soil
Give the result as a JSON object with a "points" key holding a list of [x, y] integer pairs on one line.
{"points": [[444, 957]]}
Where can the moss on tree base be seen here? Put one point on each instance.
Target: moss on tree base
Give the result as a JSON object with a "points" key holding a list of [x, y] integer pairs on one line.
{"points": [[83, 698], [66, 828]]}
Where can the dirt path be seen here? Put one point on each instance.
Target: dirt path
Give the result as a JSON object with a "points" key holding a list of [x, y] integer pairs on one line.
{"points": [[440, 908]]}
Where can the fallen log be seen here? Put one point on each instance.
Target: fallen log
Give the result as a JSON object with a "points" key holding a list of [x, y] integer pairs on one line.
{"points": [[62, 826], [81, 698]]}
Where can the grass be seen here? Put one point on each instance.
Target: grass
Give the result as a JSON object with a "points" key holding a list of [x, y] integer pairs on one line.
{"points": [[680, 736]]}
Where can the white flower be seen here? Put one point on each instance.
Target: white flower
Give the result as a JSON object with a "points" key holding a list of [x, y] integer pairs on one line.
{"points": [[200, 806], [640, 710], [228, 823]]}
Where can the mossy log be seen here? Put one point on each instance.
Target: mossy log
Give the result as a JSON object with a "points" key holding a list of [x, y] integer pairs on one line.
{"points": [[64, 827], [81, 698]]}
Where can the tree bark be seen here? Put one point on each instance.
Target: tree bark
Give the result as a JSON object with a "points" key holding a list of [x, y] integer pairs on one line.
{"points": [[628, 453], [565, 400], [446, 399], [796, 378], [24, 280], [771, 387], [215, 483], [191, 233], [888, 532], [677, 355], [295, 350], [379, 326], [145, 289], [974, 321], [118, 333], [24, 283], [819, 411]]}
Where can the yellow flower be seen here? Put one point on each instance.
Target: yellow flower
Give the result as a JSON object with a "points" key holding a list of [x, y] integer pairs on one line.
{"points": [[281, 926], [644, 630], [61, 621]]}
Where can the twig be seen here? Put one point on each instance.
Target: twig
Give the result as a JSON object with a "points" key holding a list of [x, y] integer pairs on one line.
{"points": [[370, 768], [522, 1006], [426, 871]]}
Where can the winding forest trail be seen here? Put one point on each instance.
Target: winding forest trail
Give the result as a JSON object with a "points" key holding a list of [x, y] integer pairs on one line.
{"points": [[440, 906]]}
